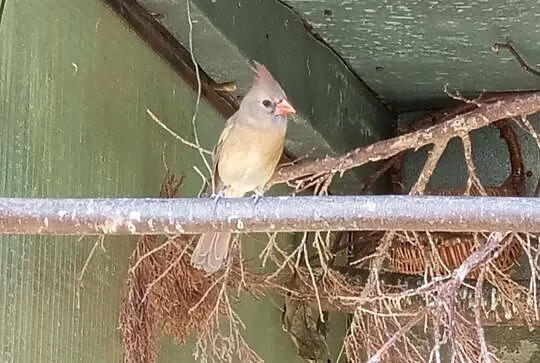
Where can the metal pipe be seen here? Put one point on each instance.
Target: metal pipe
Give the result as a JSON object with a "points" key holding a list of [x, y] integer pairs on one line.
{"points": [[270, 214]]}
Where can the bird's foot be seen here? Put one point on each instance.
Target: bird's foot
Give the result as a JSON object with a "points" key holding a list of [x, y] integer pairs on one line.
{"points": [[217, 196], [257, 195]]}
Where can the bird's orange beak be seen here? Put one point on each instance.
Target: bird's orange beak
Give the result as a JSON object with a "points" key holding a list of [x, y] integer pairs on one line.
{"points": [[284, 108]]}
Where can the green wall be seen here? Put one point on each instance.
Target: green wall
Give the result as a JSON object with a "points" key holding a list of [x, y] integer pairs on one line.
{"points": [[75, 83]]}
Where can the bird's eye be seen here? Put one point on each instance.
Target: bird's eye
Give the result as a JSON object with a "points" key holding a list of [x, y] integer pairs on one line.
{"points": [[266, 103]]}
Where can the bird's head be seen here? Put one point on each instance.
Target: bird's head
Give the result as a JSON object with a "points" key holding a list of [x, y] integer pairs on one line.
{"points": [[266, 100]]}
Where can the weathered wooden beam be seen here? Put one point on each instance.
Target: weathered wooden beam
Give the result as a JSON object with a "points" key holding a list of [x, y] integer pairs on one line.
{"points": [[270, 214], [168, 47]]}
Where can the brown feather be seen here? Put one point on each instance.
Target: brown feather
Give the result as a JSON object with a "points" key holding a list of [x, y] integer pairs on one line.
{"points": [[211, 251], [213, 247]]}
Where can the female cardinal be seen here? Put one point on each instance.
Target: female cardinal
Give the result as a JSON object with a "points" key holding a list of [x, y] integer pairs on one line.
{"points": [[245, 157]]}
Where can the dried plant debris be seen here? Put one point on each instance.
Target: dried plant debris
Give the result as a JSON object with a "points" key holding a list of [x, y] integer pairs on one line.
{"points": [[166, 295], [138, 319]]}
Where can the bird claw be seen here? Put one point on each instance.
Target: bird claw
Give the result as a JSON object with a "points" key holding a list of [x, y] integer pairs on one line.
{"points": [[257, 196], [217, 196]]}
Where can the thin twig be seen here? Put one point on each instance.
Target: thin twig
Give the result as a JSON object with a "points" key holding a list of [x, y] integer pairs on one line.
{"points": [[99, 241], [458, 97], [207, 292], [531, 130], [199, 85], [381, 255], [527, 247], [164, 273], [375, 358], [204, 181], [472, 178], [148, 254], [175, 135], [429, 167], [497, 46], [479, 306], [314, 284], [287, 260]]}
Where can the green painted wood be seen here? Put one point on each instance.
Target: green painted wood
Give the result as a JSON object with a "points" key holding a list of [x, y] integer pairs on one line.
{"points": [[406, 50], [75, 83], [336, 111]]}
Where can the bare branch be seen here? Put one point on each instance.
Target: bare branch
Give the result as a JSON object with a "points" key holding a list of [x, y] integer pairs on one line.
{"points": [[506, 107], [472, 178], [398, 335], [478, 309], [497, 46], [429, 167], [175, 135]]}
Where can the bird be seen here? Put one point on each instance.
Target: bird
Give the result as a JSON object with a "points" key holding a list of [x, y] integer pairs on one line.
{"points": [[245, 156]]}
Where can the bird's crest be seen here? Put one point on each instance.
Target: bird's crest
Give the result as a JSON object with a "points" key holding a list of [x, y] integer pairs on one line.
{"points": [[262, 74]]}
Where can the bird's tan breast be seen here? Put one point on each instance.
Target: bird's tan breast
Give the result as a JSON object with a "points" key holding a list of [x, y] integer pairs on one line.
{"points": [[249, 156]]}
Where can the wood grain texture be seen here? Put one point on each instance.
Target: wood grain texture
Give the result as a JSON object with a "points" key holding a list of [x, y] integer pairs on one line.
{"points": [[406, 50]]}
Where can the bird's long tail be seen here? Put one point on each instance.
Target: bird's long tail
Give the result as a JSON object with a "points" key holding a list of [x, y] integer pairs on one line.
{"points": [[213, 247], [211, 250]]}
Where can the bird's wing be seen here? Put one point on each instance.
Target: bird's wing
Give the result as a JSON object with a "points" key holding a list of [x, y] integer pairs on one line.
{"points": [[229, 125]]}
